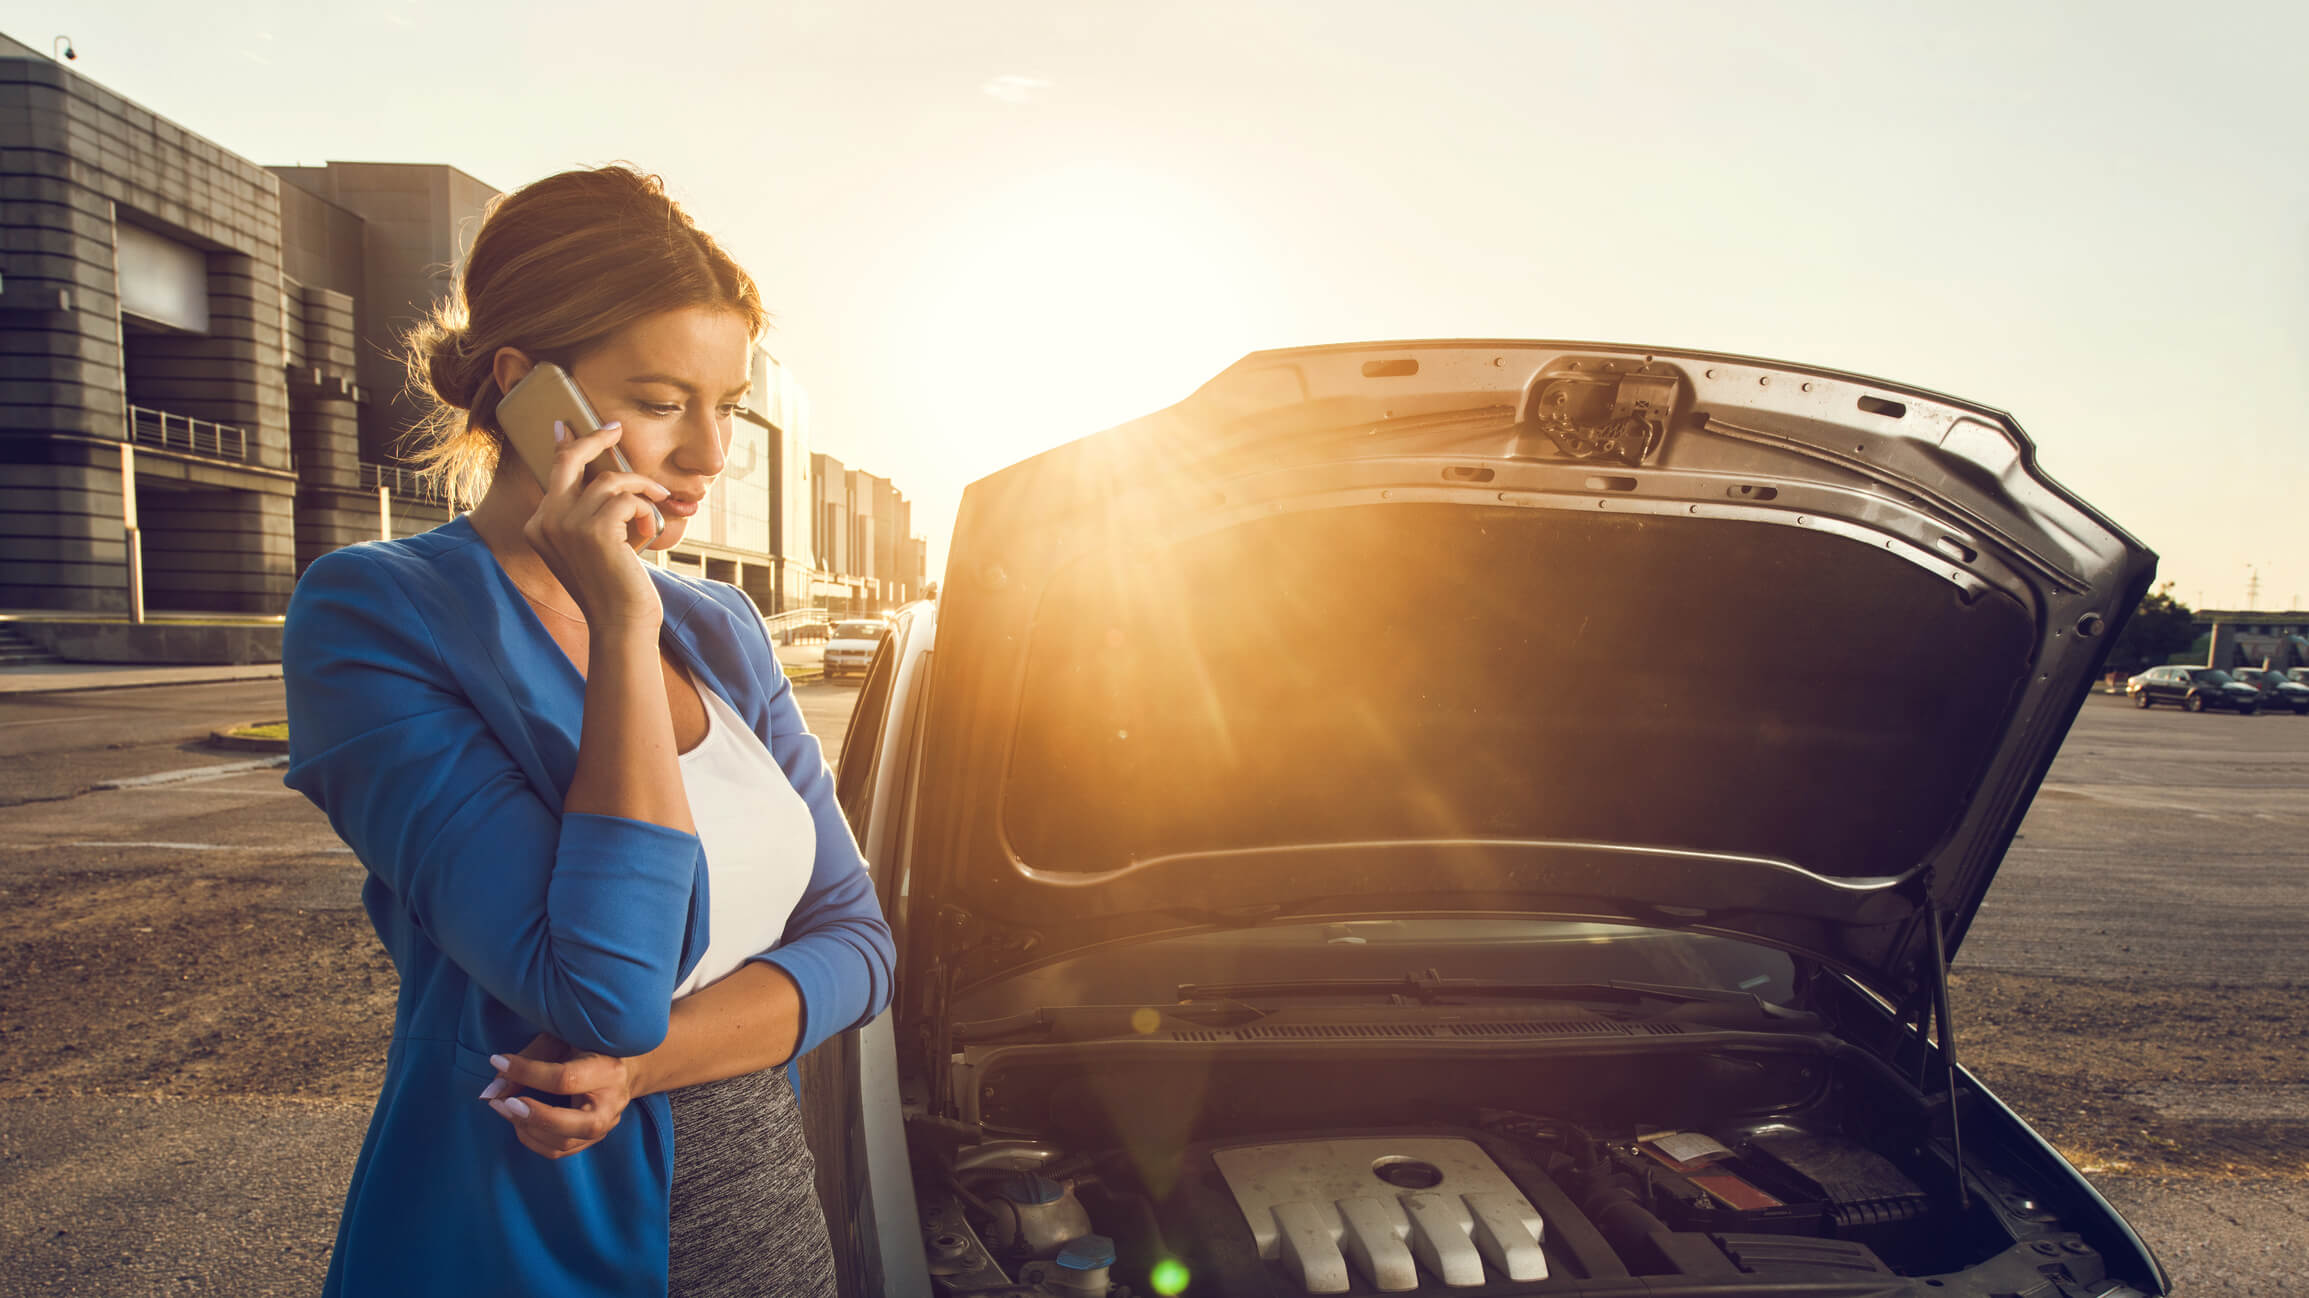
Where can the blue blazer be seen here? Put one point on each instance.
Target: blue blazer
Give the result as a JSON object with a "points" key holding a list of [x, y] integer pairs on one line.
{"points": [[436, 723]]}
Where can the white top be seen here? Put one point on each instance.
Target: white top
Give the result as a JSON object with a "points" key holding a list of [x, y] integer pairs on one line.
{"points": [[760, 842]]}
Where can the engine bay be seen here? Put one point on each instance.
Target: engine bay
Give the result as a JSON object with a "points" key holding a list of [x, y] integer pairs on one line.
{"points": [[1677, 1167]]}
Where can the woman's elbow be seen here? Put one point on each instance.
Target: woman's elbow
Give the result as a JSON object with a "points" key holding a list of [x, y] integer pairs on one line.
{"points": [[620, 1033]]}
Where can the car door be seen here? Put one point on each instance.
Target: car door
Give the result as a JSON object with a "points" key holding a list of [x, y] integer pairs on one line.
{"points": [[850, 1101]]}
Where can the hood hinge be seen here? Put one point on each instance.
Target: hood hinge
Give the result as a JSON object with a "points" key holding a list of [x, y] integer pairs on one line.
{"points": [[1936, 1009]]}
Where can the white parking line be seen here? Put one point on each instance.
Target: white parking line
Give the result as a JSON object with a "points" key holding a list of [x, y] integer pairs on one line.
{"points": [[197, 773], [50, 721]]}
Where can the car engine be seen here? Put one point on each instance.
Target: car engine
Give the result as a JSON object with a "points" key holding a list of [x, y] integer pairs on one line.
{"points": [[1514, 1204]]}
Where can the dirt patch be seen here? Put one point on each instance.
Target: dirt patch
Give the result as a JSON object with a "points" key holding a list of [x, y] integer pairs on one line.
{"points": [[168, 982], [2164, 1081]]}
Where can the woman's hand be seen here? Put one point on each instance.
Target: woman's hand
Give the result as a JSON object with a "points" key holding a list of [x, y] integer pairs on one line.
{"points": [[599, 1086], [583, 530]]}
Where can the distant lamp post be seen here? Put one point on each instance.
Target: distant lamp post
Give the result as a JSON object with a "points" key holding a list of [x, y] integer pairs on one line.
{"points": [[64, 51]]}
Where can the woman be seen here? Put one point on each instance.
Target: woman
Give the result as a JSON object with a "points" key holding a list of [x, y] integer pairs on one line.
{"points": [[603, 851]]}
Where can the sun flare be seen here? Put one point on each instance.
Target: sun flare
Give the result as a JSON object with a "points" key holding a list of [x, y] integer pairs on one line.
{"points": [[1070, 301]]}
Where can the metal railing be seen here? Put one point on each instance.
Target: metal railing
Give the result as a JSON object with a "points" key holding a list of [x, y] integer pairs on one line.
{"points": [[406, 483], [782, 626], [184, 433]]}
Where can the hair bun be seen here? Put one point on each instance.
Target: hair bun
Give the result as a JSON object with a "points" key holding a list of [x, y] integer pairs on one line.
{"points": [[449, 370]]}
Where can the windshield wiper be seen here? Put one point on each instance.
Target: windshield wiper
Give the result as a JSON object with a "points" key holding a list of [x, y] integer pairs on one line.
{"points": [[1429, 987]]}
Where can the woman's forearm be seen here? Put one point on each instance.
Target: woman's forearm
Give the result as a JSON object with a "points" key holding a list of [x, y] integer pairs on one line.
{"points": [[744, 1023], [628, 764], [741, 1024]]}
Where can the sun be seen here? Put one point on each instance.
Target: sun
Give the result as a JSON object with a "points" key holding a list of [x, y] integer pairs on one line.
{"points": [[1071, 300]]}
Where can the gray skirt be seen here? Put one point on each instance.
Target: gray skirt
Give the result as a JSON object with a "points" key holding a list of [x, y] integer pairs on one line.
{"points": [[745, 1218]]}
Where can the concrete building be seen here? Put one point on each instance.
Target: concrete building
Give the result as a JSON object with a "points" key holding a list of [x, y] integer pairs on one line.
{"points": [[394, 237], [144, 408], [365, 247], [2250, 638], [200, 384], [753, 528], [867, 556]]}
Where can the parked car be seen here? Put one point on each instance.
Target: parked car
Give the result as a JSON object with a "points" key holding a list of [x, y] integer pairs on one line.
{"points": [[2194, 689], [1248, 946], [2277, 690], [851, 645], [2298, 675]]}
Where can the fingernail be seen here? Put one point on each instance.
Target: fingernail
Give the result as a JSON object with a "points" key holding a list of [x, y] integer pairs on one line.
{"points": [[516, 1108], [612, 424], [494, 1089], [500, 1062], [560, 431]]}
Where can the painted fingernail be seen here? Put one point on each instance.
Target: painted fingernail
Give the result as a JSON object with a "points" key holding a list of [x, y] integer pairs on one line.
{"points": [[612, 424], [494, 1089], [500, 1062], [516, 1108], [560, 431]]}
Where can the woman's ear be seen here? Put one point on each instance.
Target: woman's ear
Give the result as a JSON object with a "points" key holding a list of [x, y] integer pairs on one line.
{"points": [[509, 367]]}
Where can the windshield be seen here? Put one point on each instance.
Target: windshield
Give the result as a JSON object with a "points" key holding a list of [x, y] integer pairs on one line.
{"points": [[1456, 947], [2211, 675], [1296, 680], [859, 631]]}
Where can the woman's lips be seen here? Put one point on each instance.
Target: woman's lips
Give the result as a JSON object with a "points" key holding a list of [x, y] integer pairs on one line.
{"points": [[676, 507]]}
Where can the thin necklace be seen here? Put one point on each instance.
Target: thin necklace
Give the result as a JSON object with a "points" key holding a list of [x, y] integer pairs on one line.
{"points": [[567, 617]]}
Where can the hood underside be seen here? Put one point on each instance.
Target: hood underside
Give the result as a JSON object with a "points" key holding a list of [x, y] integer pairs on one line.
{"points": [[1557, 629]]}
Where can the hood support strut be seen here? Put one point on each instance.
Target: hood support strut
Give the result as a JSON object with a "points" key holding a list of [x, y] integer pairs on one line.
{"points": [[1936, 1009]]}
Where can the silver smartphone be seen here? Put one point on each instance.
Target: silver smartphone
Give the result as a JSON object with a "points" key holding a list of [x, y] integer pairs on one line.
{"points": [[526, 416]]}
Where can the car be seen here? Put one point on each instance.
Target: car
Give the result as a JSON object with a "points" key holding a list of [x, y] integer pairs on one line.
{"points": [[2276, 688], [2194, 689], [850, 645], [1248, 946], [2298, 675]]}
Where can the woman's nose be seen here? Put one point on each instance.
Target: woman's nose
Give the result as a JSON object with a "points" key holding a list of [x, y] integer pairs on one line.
{"points": [[704, 447]]}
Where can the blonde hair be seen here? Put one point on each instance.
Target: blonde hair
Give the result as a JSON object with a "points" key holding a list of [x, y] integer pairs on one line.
{"points": [[559, 266]]}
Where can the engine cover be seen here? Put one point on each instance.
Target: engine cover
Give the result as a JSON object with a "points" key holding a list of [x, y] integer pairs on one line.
{"points": [[1390, 1207]]}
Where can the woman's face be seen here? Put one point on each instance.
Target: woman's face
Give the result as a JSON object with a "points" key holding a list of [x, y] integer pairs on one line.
{"points": [[674, 380]]}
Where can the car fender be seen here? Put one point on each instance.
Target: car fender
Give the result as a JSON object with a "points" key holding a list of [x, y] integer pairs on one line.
{"points": [[2116, 1240]]}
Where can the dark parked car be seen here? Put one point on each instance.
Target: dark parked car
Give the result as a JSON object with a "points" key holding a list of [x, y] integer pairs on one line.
{"points": [[1250, 947], [2277, 689], [2194, 689]]}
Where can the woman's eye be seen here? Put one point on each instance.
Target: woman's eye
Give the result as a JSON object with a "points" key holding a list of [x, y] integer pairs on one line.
{"points": [[659, 408], [728, 412]]}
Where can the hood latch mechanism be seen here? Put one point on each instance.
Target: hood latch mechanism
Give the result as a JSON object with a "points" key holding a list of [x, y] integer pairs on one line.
{"points": [[1600, 414]]}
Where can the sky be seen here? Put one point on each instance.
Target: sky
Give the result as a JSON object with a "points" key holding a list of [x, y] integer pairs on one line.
{"points": [[984, 229]]}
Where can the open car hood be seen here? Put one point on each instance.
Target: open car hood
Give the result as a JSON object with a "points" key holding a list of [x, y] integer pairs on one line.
{"points": [[1560, 629]]}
